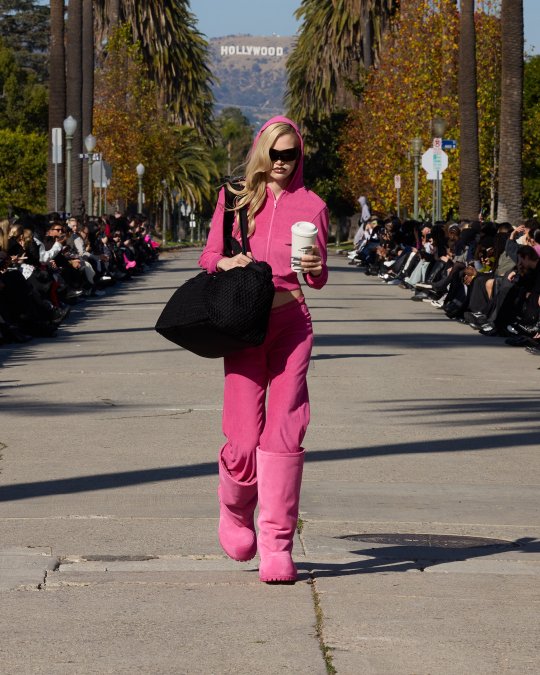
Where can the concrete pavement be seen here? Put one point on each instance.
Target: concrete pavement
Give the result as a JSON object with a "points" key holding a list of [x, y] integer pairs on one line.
{"points": [[109, 560]]}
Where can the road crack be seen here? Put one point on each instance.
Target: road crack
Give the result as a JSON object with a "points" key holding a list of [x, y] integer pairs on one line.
{"points": [[326, 651]]}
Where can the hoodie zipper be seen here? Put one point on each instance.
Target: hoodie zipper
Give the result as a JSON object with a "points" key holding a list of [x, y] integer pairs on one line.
{"points": [[272, 223]]}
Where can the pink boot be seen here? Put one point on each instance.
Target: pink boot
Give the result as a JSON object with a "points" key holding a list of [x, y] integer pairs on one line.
{"points": [[279, 476], [237, 502]]}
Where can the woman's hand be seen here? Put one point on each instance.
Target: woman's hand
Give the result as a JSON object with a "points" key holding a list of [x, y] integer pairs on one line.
{"points": [[239, 260], [311, 263]]}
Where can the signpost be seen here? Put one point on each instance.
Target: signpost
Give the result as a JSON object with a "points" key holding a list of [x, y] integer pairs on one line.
{"points": [[429, 164], [435, 162], [397, 185], [56, 159], [449, 144], [101, 175]]}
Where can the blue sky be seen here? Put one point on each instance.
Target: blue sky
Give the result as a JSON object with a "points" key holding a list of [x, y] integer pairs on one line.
{"points": [[266, 17]]}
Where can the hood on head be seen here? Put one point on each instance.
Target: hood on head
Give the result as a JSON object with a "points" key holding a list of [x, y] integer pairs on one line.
{"points": [[297, 179]]}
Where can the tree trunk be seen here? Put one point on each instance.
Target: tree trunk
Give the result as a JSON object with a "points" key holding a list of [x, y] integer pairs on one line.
{"points": [[367, 37], [57, 99], [510, 161], [87, 77], [74, 96], [469, 158], [114, 13]]}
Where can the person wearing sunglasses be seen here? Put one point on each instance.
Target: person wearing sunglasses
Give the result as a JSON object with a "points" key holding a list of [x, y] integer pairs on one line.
{"points": [[266, 405]]}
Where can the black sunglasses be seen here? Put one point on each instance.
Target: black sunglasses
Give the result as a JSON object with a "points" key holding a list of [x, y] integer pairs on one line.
{"points": [[288, 155]]}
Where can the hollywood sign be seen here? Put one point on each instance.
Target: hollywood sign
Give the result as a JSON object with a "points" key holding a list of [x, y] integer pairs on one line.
{"points": [[250, 50]]}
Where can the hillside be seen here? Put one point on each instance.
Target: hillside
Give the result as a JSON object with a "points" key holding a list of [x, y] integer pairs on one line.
{"points": [[250, 74]]}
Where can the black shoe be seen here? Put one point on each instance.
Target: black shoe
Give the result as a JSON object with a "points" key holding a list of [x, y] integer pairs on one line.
{"points": [[517, 341], [475, 318], [533, 349], [489, 329], [418, 297], [529, 329], [59, 314]]}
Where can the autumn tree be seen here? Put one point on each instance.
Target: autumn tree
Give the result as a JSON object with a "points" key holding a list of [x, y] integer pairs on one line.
{"points": [[415, 82], [131, 127]]}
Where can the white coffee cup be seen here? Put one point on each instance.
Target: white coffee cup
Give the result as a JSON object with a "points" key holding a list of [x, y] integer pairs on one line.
{"points": [[304, 235]]}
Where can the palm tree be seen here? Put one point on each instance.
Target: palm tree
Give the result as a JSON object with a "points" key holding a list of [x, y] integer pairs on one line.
{"points": [[338, 41], [193, 174], [57, 97], [74, 31], [174, 51], [87, 74], [511, 141], [469, 163]]}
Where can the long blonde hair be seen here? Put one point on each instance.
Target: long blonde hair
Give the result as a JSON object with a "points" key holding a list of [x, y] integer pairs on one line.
{"points": [[258, 164], [4, 236]]}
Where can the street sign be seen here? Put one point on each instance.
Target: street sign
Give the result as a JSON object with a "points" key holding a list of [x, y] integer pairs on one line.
{"points": [[434, 161], [437, 143], [101, 174], [449, 144], [57, 145], [397, 181]]}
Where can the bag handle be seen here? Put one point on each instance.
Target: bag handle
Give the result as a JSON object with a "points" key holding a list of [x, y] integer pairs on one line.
{"points": [[229, 218], [244, 229]]}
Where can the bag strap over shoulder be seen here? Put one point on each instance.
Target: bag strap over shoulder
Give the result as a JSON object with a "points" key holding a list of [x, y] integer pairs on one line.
{"points": [[228, 221]]}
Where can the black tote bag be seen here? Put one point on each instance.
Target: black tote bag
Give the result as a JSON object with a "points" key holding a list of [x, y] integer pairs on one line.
{"points": [[213, 315]]}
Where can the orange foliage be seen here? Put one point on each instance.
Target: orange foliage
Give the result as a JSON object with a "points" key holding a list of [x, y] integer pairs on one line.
{"points": [[415, 82], [128, 122]]}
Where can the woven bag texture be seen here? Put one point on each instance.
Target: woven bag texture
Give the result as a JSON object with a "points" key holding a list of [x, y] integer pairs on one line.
{"points": [[238, 302]]}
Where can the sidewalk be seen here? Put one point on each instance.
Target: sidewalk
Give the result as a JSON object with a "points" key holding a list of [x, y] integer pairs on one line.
{"points": [[423, 433]]}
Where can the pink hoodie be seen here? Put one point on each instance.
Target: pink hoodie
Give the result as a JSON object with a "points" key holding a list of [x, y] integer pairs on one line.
{"points": [[271, 241]]}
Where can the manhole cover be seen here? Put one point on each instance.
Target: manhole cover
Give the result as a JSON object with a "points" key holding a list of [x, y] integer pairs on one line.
{"points": [[447, 541]]}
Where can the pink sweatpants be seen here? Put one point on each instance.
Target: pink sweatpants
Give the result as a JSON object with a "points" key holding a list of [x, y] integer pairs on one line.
{"points": [[278, 366]]}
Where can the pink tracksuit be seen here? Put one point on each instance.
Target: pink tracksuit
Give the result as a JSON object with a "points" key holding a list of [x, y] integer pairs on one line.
{"points": [[276, 421]]}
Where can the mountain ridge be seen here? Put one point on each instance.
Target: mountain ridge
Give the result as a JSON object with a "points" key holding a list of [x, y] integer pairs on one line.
{"points": [[250, 73]]}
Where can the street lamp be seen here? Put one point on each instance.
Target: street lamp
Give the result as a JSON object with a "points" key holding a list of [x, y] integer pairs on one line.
{"points": [[70, 127], [416, 149], [90, 144], [438, 126], [164, 223], [140, 174]]}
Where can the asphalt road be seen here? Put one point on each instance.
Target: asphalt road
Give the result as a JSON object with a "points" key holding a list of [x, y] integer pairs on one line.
{"points": [[418, 551]]}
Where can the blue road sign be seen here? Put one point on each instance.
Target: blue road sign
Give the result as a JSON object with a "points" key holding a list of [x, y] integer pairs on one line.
{"points": [[448, 144]]}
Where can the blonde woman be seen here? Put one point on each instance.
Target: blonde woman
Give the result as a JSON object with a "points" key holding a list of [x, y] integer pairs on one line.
{"points": [[266, 404]]}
